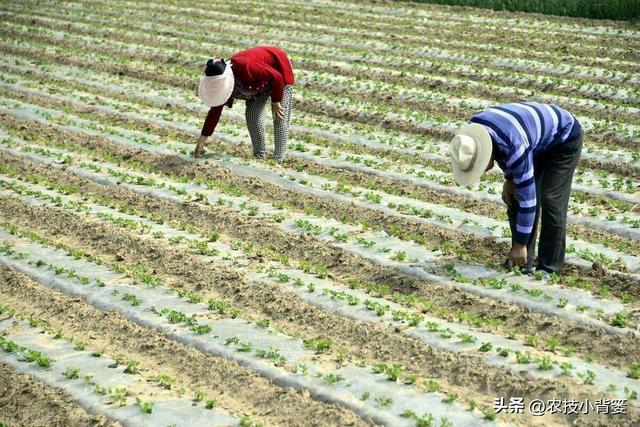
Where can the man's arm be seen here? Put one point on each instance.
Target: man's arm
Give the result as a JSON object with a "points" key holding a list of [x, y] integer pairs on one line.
{"points": [[521, 165]]}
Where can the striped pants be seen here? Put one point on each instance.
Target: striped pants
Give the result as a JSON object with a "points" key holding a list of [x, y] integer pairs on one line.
{"points": [[256, 122]]}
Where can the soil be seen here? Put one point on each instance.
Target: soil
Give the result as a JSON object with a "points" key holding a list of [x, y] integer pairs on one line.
{"points": [[241, 391], [466, 245], [312, 107], [238, 389], [607, 348], [25, 400]]}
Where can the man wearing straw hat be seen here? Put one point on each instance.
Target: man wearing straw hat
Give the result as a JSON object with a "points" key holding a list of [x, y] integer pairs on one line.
{"points": [[254, 75], [538, 147]]}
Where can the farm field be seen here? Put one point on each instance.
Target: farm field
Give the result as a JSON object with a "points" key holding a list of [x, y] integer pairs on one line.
{"points": [[355, 285]]}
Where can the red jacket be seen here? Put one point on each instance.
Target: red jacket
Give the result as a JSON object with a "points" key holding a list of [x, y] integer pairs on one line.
{"points": [[255, 68]]}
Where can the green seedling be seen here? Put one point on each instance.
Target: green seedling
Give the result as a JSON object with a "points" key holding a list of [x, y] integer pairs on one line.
{"points": [[318, 345], [119, 395], [569, 350], [588, 377], [201, 329], [132, 367], [210, 404], [620, 320], [566, 368], [466, 338], [633, 371], [410, 379], [71, 373], [523, 358], [232, 340], [333, 378], [132, 299], [163, 381], [552, 344], [199, 396], [400, 256], [485, 347], [223, 308], [393, 372], [451, 397], [426, 420], [384, 401], [245, 347], [531, 341], [341, 356], [145, 407], [545, 364], [504, 352], [489, 413]]}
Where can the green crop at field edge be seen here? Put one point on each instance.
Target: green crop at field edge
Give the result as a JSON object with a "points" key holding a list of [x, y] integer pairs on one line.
{"points": [[622, 10]]}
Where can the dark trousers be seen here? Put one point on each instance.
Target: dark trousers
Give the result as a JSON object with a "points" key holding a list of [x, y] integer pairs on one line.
{"points": [[553, 172]]}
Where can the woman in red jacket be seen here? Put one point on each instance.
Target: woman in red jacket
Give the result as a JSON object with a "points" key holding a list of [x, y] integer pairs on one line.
{"points": [[254, 75]]}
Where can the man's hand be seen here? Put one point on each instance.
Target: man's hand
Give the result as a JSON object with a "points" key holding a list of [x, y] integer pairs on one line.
{"points": [[277, 110], [518, 255], [199, 150], [509, 192]]}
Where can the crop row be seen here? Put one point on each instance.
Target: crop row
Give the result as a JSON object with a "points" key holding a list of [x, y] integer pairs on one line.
{"points": [[98, 382], [301, 279], [329, 294], [180, 41], [593, 153], [467, 337], [438, 37], [377, 26], [371, 195], [254, 345], [584, 179], [356, 239], [408, 123]]}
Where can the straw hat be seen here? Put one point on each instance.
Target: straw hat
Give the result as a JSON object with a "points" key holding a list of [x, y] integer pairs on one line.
{"points": [[470, 152], [216, 90]]}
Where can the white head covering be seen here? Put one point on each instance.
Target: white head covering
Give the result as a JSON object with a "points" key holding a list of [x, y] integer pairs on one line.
{"points": [[470, 152], [216, 90]]}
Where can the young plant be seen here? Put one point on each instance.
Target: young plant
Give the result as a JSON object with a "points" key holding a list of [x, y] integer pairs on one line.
{"points": [[485, 347], [319, 345], [588, 377], [384, 401], [119, 395], [201, 329], [333, 378], [451, 397], [71, 373], [163, 381], [132, 367], [633, 371], [545, 364], [145, 407], [393, 372]]}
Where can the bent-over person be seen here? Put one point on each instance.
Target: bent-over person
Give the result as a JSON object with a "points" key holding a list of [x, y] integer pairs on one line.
{"points": [[538, 147], [254, 75]]}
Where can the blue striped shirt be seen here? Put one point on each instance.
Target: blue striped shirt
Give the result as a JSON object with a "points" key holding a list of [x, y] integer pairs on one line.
{"points": [[519, 132]]}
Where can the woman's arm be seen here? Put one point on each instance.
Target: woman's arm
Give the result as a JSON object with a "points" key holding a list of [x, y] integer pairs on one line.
{"points": [[210, 123]]}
